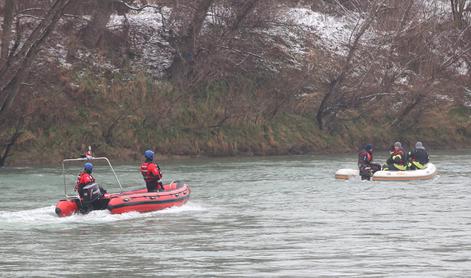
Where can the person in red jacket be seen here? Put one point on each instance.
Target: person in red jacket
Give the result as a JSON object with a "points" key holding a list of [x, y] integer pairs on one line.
{"points": [[151, 173], [398, 160], [90, 193]]}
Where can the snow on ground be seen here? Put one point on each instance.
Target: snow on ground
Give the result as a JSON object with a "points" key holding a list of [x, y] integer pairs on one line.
{"points": [[333, 31], [462, 68], [147, 31], [467, 95], [296, 30], [396, 106], [300, 28], [436, 7], [153, 52], [446, 98], [60, 54]]}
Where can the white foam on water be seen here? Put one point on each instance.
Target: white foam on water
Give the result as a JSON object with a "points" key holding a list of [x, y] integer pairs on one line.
{"points": [[46, 216]]}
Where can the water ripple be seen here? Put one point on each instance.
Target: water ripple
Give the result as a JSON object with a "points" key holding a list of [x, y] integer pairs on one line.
{"points": [[248, 217]]}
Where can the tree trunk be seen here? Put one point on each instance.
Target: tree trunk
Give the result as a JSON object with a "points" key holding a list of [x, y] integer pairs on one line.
{"points": [[332, 91], [97, 26], [247, 7], [409, 108], [15, 71], [6, 148], [458, 8], [6, 34], [185, 43]]}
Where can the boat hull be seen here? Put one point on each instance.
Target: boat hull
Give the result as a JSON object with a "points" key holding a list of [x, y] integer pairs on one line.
{"points": [[175, 194], [411, 175], [66, 207], [150, 201]]}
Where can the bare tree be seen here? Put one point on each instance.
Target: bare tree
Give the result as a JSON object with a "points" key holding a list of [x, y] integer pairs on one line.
{"points": [[242, 13], [185, 41], [96, 27], [438, 53], [327, 105], [14, 71], [9, 10], [459, 8], [8, 145]]}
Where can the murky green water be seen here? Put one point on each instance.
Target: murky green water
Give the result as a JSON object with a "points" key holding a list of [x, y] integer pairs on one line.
{"points": [[253, 217]]}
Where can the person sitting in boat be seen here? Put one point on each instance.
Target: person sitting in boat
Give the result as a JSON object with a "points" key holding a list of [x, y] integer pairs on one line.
{"points": [[90, 193], [397, 159], [418, 157], [151, 173], [365, 165]]}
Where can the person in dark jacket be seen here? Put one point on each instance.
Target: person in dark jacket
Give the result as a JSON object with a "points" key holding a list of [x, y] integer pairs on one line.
{"points": [[397, 160], [151, 173], [365, 163], [418, 157]]}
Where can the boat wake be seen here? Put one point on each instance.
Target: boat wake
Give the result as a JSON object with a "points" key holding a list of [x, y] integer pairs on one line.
{"points": [[46, 216]]}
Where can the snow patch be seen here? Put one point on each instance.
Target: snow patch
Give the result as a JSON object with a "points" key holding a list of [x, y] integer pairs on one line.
{"points": [[436, 7], [444, 98], [462, 68], [334, 32], [404, 80], [148, 37], [467, 96], [59, 52], [396, 106]]}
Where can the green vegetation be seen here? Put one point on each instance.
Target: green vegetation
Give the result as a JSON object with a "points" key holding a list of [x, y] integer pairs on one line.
{"points": [[122, 116], [259, 79]]}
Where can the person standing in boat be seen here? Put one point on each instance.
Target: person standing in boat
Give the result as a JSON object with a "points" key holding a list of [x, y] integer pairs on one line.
{"points": [[418, 157], [90, 193], [365, 165], [151, 173], [397, 159]]}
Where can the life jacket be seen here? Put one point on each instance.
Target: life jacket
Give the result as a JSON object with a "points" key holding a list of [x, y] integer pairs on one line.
{"points": [[88, 190], [84, 179], [395, 154], [150, 172], [365, 157], [399, 159]]}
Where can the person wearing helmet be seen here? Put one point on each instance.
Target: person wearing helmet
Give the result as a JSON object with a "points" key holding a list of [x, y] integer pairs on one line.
{"points": [[90, 193], [397, 159], [151, 173], [418, 157], [365, 165]]}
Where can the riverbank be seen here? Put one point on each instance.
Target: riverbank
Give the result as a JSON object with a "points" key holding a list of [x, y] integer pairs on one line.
{"points": [[121, 127], [296, 84], [266, 141]]}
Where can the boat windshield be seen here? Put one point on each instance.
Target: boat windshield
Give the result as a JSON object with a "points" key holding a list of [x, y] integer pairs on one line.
{"points": [[89, 159]]}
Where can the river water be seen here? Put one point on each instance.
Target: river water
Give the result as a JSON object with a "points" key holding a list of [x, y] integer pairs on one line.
{"points": [[252, 217]]}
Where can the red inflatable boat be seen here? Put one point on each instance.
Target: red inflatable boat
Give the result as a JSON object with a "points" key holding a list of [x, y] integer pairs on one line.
{"points": [[174, 194]]}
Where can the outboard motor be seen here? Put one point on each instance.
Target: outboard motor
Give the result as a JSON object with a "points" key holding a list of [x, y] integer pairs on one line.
{"points": [[91, 193]]}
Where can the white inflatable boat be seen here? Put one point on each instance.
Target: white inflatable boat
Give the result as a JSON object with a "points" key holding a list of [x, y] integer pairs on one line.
{"points": [[410, 175]]}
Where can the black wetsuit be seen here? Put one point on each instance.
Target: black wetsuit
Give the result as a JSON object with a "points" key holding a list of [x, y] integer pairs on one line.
{"points": [[365, 165], [418, 159]]}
